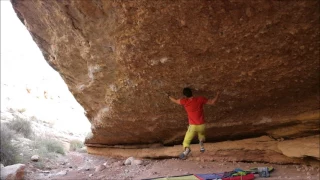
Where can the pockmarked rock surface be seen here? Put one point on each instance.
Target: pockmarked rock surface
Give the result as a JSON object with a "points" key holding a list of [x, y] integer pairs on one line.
{"points": [[118, 57]]}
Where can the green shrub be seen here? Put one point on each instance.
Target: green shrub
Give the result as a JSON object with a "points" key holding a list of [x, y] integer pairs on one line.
{"points": [[48, 145], [8, 151], [21, 126], [75, 145]]}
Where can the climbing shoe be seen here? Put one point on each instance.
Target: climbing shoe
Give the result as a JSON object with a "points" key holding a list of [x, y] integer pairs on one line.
{"points": [[201, 147], [185, 153]]}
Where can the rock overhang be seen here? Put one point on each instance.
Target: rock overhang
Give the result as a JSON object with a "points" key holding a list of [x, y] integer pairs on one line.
{"points": [[118, 57]]}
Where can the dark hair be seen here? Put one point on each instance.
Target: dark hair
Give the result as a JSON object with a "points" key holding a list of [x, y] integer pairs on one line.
{"points": [[187, 92]]}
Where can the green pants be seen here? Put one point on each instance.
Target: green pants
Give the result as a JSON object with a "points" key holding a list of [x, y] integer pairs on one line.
{"points": [[192, 131]]}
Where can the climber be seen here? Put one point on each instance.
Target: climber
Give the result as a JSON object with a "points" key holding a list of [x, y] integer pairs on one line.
{"points": [[194, 109]]}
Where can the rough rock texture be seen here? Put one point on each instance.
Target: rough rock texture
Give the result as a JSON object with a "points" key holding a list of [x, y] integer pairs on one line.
{"points": [[13, 172], [261, 149], [117, 57], [301, 147]]}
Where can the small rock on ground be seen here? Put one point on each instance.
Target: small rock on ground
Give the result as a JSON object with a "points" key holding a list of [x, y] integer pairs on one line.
{"points": [[129, 161], [62, 173], [35, 158], [118, 164], [100, 168], [137, 162]]}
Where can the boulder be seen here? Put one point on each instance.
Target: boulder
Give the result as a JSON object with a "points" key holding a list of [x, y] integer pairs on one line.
{"points": [[119, 57], [261, 149], [14, 172]]}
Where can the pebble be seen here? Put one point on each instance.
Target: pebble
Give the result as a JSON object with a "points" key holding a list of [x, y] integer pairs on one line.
{"points": [[118, 163], [62, 173], [137, 162], [35, 158], [129, 161], [90, 175], [100, 168]]}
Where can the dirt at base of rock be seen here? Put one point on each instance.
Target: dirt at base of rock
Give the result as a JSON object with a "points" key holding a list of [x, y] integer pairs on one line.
{"points": [[83, 166]]}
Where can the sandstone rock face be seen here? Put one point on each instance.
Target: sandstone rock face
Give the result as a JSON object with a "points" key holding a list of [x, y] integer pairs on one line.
{"points": [[261, 149], [117, 57], [301, 147]]}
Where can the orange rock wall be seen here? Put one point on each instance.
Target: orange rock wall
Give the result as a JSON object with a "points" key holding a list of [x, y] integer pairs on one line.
{"points": [[118, 57]]}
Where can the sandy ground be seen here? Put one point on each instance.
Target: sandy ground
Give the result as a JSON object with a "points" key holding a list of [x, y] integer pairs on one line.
{"points": [[83, 166]]}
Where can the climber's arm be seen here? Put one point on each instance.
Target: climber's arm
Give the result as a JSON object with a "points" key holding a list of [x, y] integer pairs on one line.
{"points": [[214, 100], [177, 101]]}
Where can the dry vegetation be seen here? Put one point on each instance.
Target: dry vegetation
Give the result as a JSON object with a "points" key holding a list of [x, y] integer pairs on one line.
{"points": [[19, 142]]}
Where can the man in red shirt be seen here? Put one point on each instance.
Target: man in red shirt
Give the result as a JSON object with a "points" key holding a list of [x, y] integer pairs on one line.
{"points": [[194, 108]]}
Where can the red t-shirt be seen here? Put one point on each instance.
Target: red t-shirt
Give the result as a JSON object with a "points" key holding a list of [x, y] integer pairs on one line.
{"points": [[194, 108]]}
